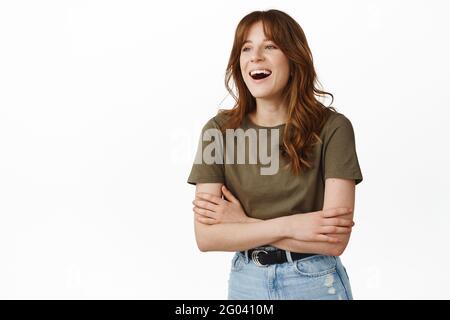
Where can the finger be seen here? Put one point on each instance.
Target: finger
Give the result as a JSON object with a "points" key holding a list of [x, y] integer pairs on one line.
{"points": [[348, 216], [205, 220], [205, 213], [227, 193], [339, 222], [205, 205], [333, 212], [209, 197], [324, 238], [334, 229]]}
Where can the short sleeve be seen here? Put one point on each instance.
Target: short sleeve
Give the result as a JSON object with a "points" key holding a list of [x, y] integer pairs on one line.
{"points": [[340, 159], [208, 163]]}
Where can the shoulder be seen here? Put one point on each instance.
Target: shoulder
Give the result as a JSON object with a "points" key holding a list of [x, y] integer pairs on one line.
{"points": [[338, 130], [337, 120], [221, 117], [217, 121]]}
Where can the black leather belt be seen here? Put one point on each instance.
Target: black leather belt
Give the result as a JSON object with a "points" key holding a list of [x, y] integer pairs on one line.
{"points": [[263, 257]]}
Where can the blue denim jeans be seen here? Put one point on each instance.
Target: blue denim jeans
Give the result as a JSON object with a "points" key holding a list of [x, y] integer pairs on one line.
{"points": [[318, 277]]}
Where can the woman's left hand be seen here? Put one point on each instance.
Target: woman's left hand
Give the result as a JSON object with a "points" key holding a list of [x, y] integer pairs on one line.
{"points": [[211, 209]]}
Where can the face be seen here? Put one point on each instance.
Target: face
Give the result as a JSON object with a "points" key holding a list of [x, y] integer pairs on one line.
{"points": [[266, 57]]}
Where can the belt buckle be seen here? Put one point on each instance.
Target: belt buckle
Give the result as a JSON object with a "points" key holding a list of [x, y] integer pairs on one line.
{"points": [[256, 259]]}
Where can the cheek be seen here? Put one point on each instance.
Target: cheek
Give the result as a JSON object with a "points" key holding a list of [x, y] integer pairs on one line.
{"points": [[285, 67], [282, 73], [283, 64]]}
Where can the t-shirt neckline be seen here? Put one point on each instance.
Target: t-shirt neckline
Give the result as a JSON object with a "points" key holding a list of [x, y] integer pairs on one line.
{"points": [[252, 124]]}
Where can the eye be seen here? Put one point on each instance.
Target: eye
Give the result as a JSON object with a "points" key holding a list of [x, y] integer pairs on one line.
{"points": [[268, 46]]}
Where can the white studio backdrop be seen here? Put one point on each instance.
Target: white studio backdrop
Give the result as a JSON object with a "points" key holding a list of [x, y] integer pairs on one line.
{"points": [[101, 106]]}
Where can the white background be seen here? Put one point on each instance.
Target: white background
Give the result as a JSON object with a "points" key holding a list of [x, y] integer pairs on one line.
{"points": [[101, 106]]}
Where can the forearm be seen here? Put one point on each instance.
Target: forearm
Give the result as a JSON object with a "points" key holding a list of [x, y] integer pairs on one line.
{"points": [[293, 245], [239, 236], [318, 247]]}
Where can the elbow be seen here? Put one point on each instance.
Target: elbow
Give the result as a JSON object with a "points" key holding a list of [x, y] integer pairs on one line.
{"points": [[205, 237], [200, 232], [202, 247], [202, 243], [337, 250]]}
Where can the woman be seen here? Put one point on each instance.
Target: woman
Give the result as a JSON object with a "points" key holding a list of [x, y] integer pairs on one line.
{"points": [[288, 213]]}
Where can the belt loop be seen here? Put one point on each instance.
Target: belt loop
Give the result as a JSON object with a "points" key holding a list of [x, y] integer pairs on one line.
{"points": [[289, 257], [246, 256]]}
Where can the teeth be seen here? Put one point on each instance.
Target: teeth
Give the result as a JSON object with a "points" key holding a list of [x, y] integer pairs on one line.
{"points": [[265, 71]]}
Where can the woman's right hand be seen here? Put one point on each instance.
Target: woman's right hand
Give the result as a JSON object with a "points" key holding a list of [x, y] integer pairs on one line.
{"points": [[314, 226]]}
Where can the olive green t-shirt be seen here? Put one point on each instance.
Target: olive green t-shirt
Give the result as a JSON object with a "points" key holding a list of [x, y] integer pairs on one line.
{"points": [[267, 196]]}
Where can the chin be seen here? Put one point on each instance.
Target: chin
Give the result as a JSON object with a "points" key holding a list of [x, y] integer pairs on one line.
{"points": [[260, 95]]}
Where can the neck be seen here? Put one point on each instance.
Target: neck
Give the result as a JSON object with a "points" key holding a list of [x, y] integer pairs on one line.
{"points": [[269, 113]]}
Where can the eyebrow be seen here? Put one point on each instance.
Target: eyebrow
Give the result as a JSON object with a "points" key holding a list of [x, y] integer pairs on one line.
{"points": [[265, 40]]}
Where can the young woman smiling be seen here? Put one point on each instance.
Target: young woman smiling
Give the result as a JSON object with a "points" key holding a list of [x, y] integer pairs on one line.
{"points": [[287, 229]]}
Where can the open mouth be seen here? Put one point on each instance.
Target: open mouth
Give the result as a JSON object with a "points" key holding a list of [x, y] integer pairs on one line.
{"points": [[260, 74]]}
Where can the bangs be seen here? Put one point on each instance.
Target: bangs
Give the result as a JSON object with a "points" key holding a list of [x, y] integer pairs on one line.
{"points": [[268, 29]]}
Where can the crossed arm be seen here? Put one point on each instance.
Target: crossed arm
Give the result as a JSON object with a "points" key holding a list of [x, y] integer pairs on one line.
{"points": [[284, 232]]}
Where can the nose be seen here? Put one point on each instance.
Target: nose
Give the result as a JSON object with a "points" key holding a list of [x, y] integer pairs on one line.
{"points": [[256, 56]]}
